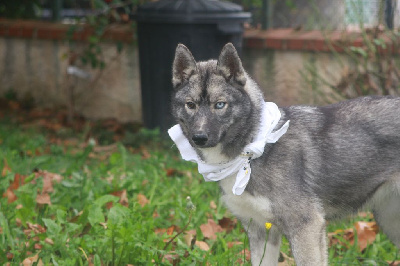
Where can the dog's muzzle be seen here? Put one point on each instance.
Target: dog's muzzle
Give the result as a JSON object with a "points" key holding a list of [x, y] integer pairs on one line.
{"points": [[200, 139]]}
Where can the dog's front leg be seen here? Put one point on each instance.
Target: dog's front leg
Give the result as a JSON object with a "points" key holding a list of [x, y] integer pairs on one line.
{"points": [[309, 244], [269, 253]]}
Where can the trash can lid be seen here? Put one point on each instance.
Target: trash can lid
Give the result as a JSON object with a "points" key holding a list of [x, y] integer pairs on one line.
{"points": [[191, 11]]}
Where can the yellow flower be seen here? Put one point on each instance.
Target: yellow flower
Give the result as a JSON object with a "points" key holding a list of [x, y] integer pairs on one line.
{"points": [[268, 226]]}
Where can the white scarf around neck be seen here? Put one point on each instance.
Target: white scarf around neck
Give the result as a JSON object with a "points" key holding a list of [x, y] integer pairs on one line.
{"points": [[270, 117]]}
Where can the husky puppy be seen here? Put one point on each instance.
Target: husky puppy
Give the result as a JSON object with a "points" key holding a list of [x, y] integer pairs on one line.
{"points": [[332, 160]]}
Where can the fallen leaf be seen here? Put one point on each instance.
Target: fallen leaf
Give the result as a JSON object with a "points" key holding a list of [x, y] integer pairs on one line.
{"points": [[142, 200], [43, 199], [190, 238], [160, 231], [17, 182], [244, 253], [123, 198], [347, 235], [10, 195], [172, 229], [213, 205], [172, 258], [32, 260], [227, 224], [49, 241], [210, 229], [202, 245], [234, 243], [366, 233], [36, 228], [170, 172], [10, 256], [6, 168], [145, 153], [47, 184], [394, 263]]}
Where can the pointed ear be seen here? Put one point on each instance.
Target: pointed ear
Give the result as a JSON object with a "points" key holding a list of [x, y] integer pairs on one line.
{"points": [[183, 67], [230, 66]]}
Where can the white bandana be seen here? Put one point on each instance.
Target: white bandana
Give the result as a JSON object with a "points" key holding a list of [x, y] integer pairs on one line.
{"points": [[270, 117]]}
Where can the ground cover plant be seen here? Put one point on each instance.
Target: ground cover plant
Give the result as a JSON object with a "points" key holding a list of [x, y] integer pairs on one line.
{"points": [[77, 197]]}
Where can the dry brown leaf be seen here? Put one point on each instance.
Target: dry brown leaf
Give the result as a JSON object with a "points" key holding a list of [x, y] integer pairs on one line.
{"points": [[31, 260], [246, 254], [10, 256], [234, 243], [394, 263], [190, 237], [366, 233], [210, 229], [36, 228], [160, 231], [347, 234], [171, 229], [202, 245], [170, 172], [172, 258], [227, 224], [17, 182], [49, 241], [43, 199], [6, 168], [10, 195], [123, 198], [213, 205], [145, 153], [142, 200], [47, 184]]}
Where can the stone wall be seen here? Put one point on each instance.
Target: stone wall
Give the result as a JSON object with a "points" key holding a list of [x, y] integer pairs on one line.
{"points": [[292, 67]]}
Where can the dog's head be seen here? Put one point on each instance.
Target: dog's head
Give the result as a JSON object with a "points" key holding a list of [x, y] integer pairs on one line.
{"points": [[213, 101]]}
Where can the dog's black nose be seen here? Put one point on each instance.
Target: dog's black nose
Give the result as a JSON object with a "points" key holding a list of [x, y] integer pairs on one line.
{"points": [[200, 139]]}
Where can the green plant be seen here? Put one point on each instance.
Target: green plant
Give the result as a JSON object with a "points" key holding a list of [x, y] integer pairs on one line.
{"points": [[88, 53], [77, 203]]}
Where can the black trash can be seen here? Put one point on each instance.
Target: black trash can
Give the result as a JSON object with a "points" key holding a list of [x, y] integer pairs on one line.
{"points": [[204, 26]]}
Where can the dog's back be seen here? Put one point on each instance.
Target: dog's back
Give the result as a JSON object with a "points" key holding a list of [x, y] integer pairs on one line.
{"points": [[343, 156], [332, 161]]}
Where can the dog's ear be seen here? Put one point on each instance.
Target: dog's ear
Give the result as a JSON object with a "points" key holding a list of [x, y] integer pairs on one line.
{"points": [[230, 66], [183, 67]]}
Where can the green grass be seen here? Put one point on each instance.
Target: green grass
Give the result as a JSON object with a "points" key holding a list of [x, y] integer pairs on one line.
{"points": [[80, 227]]}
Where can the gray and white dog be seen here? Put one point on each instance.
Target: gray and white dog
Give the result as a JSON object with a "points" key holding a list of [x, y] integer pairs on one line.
{"points": [[332, 161]]}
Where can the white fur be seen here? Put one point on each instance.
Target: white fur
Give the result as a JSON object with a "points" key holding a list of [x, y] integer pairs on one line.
{"points": [[246, 206], [213, 155]]}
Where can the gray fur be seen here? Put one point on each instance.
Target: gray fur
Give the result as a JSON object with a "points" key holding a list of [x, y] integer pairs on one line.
{"points": [[332, 161]]}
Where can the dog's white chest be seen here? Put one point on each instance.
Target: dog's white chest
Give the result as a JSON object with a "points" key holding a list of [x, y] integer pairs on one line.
{"points": [[245, 206]]}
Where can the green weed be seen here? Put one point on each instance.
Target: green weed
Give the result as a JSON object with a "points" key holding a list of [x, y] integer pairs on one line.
{"points": [[76, 203]]}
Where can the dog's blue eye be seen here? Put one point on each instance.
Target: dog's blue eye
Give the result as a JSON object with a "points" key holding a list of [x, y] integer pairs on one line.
{"points": [[191, 105], [220, 105]]}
